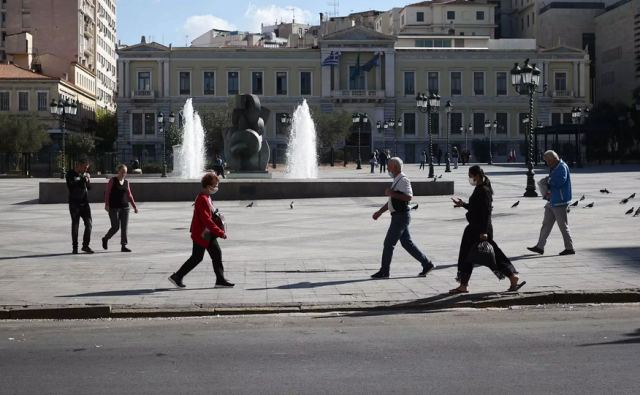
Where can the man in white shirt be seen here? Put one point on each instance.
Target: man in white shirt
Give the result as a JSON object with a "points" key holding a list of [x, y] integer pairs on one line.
{"points": [[400, 194]]}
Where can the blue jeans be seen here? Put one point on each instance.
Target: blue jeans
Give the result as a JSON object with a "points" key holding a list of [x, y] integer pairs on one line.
{"points": [[399, 230]]}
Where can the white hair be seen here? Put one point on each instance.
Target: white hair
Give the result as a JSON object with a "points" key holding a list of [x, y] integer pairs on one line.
{"points": [[551, 154], [397, 161]]}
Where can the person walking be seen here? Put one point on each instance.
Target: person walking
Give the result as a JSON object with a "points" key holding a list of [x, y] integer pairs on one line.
{"points": [[204, 234], [558, 196], [454, 156], [439, 156], [423, 160], [479, 230], [383, 160], [117, 199], [400, 194], [373, 161], [79, 183]]}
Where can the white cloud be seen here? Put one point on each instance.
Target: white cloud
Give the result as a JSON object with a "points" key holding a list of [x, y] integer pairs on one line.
{"points": [[197, 25], [271, 14]]}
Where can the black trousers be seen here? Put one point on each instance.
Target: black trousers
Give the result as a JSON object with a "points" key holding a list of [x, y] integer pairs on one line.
{"points": [[197, 255], [78, 211], [119, 218], [504, 267]]}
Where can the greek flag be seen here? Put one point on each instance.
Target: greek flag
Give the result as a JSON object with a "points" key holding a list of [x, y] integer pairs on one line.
{"points": [[332, 59], [371, 63]]}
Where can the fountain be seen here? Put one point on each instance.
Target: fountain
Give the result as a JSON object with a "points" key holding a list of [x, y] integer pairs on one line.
{"points": [[189, 157], [302, 156]]}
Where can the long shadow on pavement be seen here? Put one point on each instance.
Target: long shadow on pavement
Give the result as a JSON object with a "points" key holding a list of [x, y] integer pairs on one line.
{"points": [[4, 258], [308, 284], [130, 292], [634, 337]]}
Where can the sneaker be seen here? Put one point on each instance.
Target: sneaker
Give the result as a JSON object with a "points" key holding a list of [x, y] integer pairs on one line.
{"points": [[125, 249], [380, 275], [426, 270], [536, 250], [568, 252], [87, 250], [104, 243], [176, 281], [224, 284]]}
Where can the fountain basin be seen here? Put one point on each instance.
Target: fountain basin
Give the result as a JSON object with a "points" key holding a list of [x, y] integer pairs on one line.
{"points": [[150, 189]]}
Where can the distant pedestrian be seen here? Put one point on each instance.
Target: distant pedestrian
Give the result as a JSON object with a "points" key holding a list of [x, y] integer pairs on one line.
{"points": [[558, 196], [383, 160], [400, 194], [204, 233], [439, 156], [423, 160], [117, 199], [454, 156], [79, 183], [373, 161], [480, 230], [219, 166]]}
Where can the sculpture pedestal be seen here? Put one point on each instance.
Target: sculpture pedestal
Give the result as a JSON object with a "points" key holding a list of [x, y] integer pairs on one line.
{"points": [[245, 175]]}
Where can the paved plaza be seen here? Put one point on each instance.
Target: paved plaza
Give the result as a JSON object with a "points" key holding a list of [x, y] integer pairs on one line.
{"points": [[320, 252]]}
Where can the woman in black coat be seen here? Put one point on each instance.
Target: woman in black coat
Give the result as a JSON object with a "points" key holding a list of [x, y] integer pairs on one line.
{"points": [[480, 229]]}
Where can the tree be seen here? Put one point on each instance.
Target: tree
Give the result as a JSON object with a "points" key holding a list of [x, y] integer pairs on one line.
{"points": [[106, 130], [332, 128], [214, 121], [21, 134], [78, 144]]}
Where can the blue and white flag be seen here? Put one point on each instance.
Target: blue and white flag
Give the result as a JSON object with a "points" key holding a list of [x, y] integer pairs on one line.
{"points": [[375, 61], [332, 59]]}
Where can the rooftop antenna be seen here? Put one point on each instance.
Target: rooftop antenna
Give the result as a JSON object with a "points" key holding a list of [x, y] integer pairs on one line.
{"points": [[336, 6], [293, 13]]}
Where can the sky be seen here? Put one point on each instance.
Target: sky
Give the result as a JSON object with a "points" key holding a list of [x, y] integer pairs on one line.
{"points": [[180, 21]]}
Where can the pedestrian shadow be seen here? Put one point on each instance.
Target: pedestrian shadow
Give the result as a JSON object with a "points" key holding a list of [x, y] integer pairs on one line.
{"points": [[310, 285], [633, 338], [31, 201], [130, 292], [4, 258], [531, 256]]}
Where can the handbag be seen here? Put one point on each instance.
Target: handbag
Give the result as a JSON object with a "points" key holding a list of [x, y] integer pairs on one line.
{"points": [[482, 254], [218, 219]]}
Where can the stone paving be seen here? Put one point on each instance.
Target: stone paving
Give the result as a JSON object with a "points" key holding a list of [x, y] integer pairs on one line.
{"points": [[320, 252]]}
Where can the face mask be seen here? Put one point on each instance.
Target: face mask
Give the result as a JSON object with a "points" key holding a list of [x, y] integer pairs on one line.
{"points": [[472, 181], [391, 174], [214, 191]]}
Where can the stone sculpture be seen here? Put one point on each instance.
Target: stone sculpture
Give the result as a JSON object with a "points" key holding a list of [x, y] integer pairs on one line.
{"points": [[245, 148]]}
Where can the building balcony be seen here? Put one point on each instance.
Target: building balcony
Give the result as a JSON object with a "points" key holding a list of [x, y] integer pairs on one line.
{"points": [[143, 95], [561, 93], [358, 95]]}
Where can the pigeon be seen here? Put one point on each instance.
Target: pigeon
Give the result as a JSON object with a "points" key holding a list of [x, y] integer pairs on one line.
{"points": [[605, 190], [624, 201], [582, 198], [515, 204], [414, 207], [632, 196], [440, 176], [629, 211], [637, 212], [291, 205], [589, 205], [250, 204], [575, 203]]}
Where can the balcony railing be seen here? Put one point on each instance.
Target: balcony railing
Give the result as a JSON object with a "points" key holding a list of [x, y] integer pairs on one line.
{"points": [[358, 94], [143, 95], [562, 93]]}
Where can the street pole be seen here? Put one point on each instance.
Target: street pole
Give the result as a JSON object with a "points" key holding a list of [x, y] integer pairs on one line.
{"points": [[64, 163], [431, 174], [449, 107], [530, 190]]}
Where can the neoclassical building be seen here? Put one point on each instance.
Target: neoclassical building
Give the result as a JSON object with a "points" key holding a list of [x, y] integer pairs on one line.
{"points": [[356, 70]]}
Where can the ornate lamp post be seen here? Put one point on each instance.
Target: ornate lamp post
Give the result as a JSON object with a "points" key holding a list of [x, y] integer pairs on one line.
{"points": [[161, 124], [448, 107], [466, 137], [61, 110], [526, 80], [360, 119], [392, 123], [428, 105], [490, 126], [285, 120], [578, 115]]}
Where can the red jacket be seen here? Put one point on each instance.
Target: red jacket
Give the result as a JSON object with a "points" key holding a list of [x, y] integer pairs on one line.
{"points": [[202, 213]]}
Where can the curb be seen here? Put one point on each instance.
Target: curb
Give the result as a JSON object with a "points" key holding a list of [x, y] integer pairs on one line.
{"points": [[439, 302]]}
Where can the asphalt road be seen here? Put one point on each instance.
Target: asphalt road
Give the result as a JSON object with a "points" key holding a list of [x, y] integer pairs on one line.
{"points": [[568, 350]]}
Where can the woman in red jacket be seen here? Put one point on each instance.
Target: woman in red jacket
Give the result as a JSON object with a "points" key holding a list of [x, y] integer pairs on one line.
{"points": [[204, 233]]}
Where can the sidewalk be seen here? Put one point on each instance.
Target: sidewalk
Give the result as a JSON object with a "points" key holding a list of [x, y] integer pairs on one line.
{"points": [[321, 253]]}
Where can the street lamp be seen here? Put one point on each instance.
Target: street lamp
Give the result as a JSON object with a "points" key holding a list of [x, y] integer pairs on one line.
{"points": [[61, 110], [428, 104], [526, 80], [359, 119], [490, 126], [161, 123], [392, 123], [448, 107], [285, 120]]}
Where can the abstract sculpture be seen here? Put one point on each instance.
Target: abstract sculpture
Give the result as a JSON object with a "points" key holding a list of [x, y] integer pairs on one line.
{"points": [[244, 146]]}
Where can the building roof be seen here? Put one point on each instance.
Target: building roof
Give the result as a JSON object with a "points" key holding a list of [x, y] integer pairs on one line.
{"points": [[13, 72], [430, 2]]}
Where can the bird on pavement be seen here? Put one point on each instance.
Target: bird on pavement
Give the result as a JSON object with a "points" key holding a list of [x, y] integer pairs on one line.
{"points": [[629, 211], [637, 212], [604, 190], [624, 201], [515, 204], [250, 204], [575, 203], [414, 207], [589, 205], [582, 198], [632, 196], [440, 176], [291, 205]]}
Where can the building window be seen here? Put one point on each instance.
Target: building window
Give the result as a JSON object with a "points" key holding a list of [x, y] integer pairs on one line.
{"points": [[501, 83], [435, 123], [456, 83], [136, 123], [357, 83], [233, 83], [281, 82], [502, 118], [556, 118], [209, 87], [305, 83], [420, 16], [409, 83], [456, 122], [43, 101], [144, 81], [480, 15], [478, 83], [409, 123], [149, 123], [143, 123], [523, 124], [560, 82], [256, 82], [478, 123], [185, 83], [451, 15], [527, 20], [23, 101], [432, 81]]}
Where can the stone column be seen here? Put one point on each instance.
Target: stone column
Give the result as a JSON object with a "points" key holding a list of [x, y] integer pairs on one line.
{"points": [[121, 87], [167, 84], [127, 75], [583, 79], [379, 75], [390, 72], [160, 79], [575, 87], [325, 74]]}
